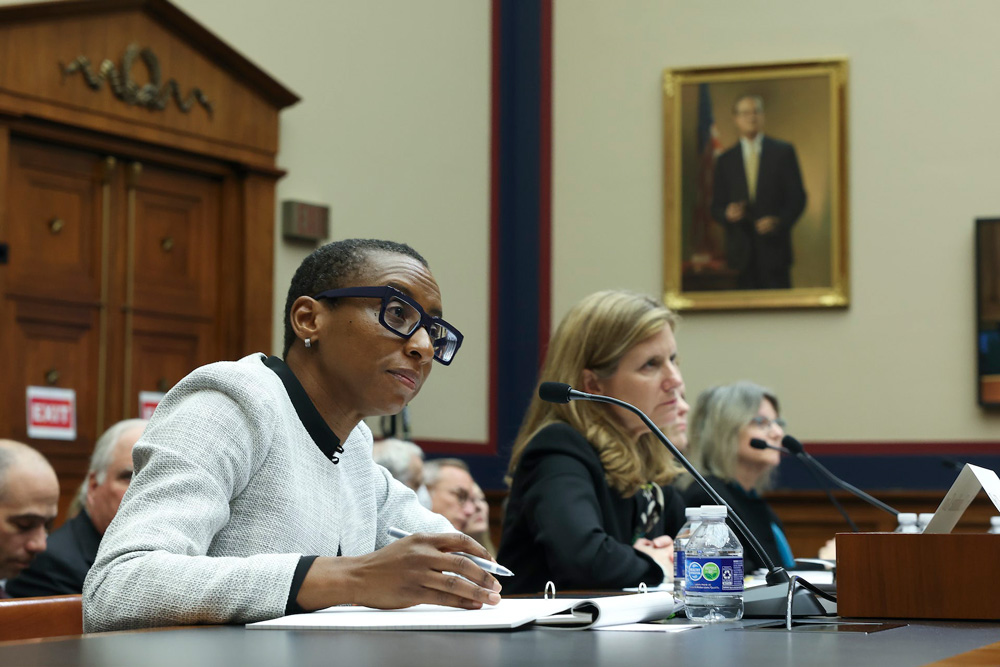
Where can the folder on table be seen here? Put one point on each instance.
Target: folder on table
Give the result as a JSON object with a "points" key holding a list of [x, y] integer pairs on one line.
{"points": [[567, 613]]}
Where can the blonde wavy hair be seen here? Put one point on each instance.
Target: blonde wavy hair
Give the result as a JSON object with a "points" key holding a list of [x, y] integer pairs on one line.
{"points": [[594, 335]]}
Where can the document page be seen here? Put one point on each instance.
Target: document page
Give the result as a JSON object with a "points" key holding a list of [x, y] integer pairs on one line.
{"points": [[569, 613]]}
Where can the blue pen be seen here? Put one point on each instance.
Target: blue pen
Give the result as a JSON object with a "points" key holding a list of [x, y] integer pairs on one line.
{"points": [[488, 565]]}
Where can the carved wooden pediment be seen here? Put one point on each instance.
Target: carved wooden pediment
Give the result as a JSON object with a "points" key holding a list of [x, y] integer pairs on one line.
{"points": [[142, 69]]}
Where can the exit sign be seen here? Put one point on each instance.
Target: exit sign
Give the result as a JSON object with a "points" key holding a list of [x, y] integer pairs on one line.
{"points": [[305, 222]]}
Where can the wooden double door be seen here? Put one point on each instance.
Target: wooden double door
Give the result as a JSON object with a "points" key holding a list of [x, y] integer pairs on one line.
{"points": [[114, 284]]}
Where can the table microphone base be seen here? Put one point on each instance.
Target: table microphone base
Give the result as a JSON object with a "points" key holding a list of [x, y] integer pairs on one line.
{"points": [[770, 601]]}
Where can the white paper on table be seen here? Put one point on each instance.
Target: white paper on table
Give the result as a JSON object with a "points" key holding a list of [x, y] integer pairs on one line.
{"points": [[816, 577], [564, 613], [648, 627], [665, 586], [960, 495]]}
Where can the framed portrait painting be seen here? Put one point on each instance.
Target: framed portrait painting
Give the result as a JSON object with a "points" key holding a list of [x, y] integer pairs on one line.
{"points": [[755, 192]]}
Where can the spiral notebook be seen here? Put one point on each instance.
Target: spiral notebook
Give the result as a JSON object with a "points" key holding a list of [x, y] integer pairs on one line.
{"points": [[567, 613]]}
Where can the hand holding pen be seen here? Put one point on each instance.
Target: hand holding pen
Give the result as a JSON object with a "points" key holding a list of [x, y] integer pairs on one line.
{"points": [[490, 566], [420, 569]]}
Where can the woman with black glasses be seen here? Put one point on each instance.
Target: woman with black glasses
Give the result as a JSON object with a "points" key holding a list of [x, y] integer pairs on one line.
{"points": [[255, 494], [724, 422], [590, 504]]}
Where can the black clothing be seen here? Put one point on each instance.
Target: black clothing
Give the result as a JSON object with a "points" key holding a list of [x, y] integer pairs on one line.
{"points": [[763, 260], [750, 507], [566, 525], [62, 567]]}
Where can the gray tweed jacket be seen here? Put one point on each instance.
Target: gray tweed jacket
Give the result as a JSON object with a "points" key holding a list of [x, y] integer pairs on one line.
{"points": [[229, 491]]}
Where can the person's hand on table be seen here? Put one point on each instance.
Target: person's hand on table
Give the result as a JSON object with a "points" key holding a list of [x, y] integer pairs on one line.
{"points": [[660, 549], [829, 550], [406, 572]]}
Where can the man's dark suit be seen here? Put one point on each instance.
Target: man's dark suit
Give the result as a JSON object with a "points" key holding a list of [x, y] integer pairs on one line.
{"points": [[62, 567], [763, 260]]}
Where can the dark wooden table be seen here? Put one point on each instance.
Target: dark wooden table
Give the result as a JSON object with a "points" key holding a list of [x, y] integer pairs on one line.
{"points": [[917, 644]]}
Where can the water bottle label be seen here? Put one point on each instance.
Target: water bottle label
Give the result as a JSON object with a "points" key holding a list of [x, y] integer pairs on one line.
{"points": [[714, 575], [678, 564]]}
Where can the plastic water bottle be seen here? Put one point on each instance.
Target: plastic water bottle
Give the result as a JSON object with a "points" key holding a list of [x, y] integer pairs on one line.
{"points": [[907, 523], [923, 519], [713, 587], [692, 517], [994, 525]]}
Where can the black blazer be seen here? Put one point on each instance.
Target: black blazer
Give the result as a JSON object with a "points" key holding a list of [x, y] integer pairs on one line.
{"points": [[564, 524], [779, 193], [756, 514], [62, 567]]}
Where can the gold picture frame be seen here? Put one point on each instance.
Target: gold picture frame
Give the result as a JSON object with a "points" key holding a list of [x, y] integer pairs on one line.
{"points": [[786, 244]]}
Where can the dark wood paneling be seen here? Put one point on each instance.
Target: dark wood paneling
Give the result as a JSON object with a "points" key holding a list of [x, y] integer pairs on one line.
{"points": [[45, 337], [258, 253], [887, 576], [810, 520], [166, 349], [54, 222], [242, 125], [108, 298], [176, 240]]}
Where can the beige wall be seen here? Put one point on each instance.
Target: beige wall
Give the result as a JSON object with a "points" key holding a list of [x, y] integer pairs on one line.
{"points": [[393, 134], [899, 364]]}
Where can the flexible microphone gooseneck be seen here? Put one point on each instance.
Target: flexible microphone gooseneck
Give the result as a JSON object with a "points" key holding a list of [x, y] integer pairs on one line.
{"points": [[757, 443], [558, 392], [796, 448]]}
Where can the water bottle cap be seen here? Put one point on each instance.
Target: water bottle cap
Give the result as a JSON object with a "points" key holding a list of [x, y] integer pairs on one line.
{"points": [[906, 517], [695, 513], [713, 512], [995, 520]]}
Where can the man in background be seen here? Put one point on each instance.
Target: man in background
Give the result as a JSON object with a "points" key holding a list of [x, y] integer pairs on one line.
{"points": [[61, 569], [405, 462], [29, 502], [451, 487], [757, 196]]}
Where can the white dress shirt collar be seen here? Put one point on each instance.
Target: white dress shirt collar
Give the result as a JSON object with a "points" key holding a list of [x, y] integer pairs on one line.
{"points": [[757, 143]]}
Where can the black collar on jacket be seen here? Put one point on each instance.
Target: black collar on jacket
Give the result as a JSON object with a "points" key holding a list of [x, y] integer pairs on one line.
{"points": [[319, 431]]}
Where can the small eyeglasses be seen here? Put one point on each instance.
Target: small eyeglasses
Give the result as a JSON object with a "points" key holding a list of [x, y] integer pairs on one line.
{"points": [[403, 316], [766, 422], [462, 496]]}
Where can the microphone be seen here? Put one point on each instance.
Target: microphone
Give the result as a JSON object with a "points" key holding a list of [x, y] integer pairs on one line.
{"points": [[952, 464], [757, 443], [555, 392], [776, 576], [796, 448]]}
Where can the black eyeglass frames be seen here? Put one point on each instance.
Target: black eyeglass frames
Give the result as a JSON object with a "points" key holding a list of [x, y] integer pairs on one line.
{"points": [[403, 316]]}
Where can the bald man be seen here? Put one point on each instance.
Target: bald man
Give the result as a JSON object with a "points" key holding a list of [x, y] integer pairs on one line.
{"points": [[29, 502], [72, 549]]}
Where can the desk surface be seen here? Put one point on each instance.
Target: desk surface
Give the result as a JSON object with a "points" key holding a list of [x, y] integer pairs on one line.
{"points": [[916, 644]]}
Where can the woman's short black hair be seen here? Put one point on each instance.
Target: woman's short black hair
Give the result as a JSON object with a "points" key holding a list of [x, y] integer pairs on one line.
{"points": [[333, 266]]}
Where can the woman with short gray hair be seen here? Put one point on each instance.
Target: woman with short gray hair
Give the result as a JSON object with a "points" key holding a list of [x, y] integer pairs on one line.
{"points": [[724, 422]]}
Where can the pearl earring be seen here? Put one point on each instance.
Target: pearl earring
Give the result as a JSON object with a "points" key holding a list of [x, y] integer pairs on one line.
{"points": [[308, 342]]}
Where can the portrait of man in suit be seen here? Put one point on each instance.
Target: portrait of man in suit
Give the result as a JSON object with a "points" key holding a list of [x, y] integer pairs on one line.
{"points": [[755, 213], [757, 197]]}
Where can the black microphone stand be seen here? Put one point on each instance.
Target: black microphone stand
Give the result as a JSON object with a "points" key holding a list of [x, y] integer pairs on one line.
{"points": [[796, 448], [757, 443], [777, 577]]}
